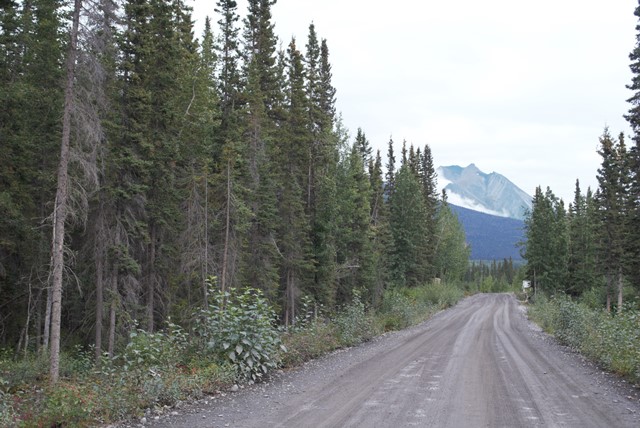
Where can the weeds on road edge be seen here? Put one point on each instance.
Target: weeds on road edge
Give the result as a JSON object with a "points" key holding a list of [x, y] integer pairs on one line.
{"points": [[612, 340], [240, 344]]}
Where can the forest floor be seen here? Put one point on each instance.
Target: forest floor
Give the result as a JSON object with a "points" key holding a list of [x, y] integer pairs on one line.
{"points": [[480, 363]]}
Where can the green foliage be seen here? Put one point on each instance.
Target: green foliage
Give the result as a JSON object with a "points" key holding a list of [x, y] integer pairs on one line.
{"points": [[403, 307], [408, 219], [397, 310], [440, 294], [546, 248], [354, 324], [238, 328], [149, 351], [309, 341], [7, 411], [452, 257], [613, 341]]}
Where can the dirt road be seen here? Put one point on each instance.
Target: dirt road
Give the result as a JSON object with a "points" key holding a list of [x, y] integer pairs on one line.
{"points": [[479, 364]]}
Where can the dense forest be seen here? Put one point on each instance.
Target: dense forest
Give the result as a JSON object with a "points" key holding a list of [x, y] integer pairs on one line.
{"points": [[138, 161], [593, 245]]}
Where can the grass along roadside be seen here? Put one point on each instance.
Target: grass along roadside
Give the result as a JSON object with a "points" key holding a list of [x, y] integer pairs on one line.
{"points": [[612, 340], [238, 344]]}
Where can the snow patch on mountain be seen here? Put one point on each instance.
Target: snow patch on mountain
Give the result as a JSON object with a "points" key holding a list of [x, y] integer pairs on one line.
{"points": [[492, 193], [455, 199]]}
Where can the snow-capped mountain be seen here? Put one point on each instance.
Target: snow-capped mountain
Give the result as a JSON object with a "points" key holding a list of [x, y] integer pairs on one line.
{"points": [[488, 193]]}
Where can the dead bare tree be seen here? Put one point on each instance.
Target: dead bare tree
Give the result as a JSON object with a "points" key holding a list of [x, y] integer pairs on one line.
{"points": [[61, 201]]}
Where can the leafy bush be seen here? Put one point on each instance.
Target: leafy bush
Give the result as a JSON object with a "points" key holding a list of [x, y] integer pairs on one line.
{"points": [[441, 294], [612, 340], [397, 311], [7, 411], [24, 372], [353, 323], [238, 327], [306, 342], [157, 350]]}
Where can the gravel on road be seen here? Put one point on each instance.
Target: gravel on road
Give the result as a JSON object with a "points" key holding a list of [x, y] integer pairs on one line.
{"points": [[478, 364]]}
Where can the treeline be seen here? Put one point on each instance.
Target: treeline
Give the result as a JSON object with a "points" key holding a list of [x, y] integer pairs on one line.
{"points": [[593, 245], [189, 158], [494, 276]]}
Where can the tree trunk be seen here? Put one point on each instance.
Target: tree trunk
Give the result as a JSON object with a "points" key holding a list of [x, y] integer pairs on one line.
{"points": [[205, 267], [112, 312], [46, 334], [223, 280], [608, 292], [150, 277], [620, 283], [99, 300], [60, 207]]}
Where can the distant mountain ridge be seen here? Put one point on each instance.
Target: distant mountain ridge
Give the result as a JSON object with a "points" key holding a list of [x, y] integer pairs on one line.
{"points": [[490, 237], [490, 193]]}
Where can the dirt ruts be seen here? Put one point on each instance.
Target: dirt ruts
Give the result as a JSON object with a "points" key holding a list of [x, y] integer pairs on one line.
{"points": [[479, 364]]}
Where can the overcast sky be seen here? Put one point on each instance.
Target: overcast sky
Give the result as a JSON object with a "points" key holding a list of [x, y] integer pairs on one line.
{"points": [[523, 88]]}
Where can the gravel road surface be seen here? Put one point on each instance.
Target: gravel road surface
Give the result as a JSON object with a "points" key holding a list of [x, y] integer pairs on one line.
{"points": [[479, 364]]}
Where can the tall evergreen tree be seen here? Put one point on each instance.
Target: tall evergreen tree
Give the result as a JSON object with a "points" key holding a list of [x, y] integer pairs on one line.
{"points": [[408, 228], [33, 37], [381, 235], [611, 200], [229, 151], [262, 91], [363, 146], [354, 252], [451, 255], [293, 231], [391, 170], [428, 180], [546, 249], [321, 184], [633, 117], [582, 243]]}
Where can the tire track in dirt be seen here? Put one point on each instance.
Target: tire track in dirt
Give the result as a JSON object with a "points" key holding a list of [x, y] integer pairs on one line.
{"points": [[478, 364]]}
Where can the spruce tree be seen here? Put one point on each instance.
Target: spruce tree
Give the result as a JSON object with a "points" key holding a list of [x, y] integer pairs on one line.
{"points": [[32, 39], [363, 146], [451, 255], [633, 202], [428, 180], [293, 230], [391, 170], [408, 228], [381, 235], [229, 151], [261, 93], [321, 185], [354, 250], [546, 248], [611, 199], [582, 243]]}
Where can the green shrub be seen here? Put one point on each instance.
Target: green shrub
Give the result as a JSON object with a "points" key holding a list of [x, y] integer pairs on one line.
{"points": [[397, 310], [442, 295], [153, 351], [238, 327], [306, 342], [24, 372], [610, 339], [594, 298], [354, 324], [7, 411]]}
